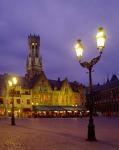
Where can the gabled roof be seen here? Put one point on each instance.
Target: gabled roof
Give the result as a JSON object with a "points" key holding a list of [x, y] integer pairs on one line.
{"points": [[75, 86], [114, 78], [114, 82], [5, 77], [55, 84], [23, 82], [29, 84], [36, 78], [58, 84]]}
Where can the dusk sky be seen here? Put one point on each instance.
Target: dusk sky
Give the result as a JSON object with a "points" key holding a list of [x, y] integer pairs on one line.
{"points": [[59, 23]]}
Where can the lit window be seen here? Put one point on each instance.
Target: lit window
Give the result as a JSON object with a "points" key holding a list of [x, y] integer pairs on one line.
{"points": [[28, 101], [1, 101], [18, 101]]}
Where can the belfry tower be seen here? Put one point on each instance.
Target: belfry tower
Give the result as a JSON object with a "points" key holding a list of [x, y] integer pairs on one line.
{"points": [[34, 60]]}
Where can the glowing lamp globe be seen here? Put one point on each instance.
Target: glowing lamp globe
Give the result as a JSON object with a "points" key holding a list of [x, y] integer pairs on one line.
{"points": [[79, 49], [101, 39]]}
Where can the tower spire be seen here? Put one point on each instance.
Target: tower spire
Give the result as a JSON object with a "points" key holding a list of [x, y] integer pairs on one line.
{"points": [[34, 60]]}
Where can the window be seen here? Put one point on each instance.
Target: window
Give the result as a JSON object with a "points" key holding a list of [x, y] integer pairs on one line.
{"points": [[36, 46], [45, 89], [27, 92], [18, 92], [66, 89], [1, 101], [32, 45], [18, 101], [28, 101]]}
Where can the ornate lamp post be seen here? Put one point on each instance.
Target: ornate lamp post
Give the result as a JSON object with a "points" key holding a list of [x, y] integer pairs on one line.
{"points": [[12, 83], [101, 38]]}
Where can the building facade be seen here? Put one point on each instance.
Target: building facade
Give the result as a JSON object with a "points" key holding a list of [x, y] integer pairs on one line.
{"points": [[106, 97], [35, 90]]}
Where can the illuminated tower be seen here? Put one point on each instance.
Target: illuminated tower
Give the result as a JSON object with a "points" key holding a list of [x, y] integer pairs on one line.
{"points": [[34, 62]]}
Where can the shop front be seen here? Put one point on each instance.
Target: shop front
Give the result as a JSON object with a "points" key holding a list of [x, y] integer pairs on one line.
{"points": [[26, 112], [57, 111]]}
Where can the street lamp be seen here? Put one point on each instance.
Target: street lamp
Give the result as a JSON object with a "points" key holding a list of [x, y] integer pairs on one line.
{"points": [[101, 38], [12, 83]]}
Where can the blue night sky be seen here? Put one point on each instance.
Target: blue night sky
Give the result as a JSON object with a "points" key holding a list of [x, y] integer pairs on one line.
{"points": [[59, 23]]}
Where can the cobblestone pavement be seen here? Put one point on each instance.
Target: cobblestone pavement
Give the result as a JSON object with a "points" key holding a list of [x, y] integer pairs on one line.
{"points": [[58, 134]]}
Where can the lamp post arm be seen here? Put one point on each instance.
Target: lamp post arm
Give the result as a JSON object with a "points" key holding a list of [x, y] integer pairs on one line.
{"points": [[95, 60], [91, 63]]}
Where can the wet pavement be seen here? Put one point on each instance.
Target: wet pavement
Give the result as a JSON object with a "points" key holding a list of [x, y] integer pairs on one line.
{"points": [[58, 134]]}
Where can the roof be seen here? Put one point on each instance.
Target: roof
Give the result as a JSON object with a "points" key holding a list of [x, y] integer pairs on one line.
{"points": [[58, 84], [55, 84], [5, 77], [23, 82], [36, 78], [114, 78], [29, 84], [75, 86], [112, 83]]}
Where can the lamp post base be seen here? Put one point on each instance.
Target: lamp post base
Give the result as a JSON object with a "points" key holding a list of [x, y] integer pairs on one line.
{"points": [[13, 122], [91, 131]]}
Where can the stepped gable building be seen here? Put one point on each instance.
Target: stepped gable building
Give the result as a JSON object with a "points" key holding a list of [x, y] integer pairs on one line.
{"points": [[37, 95], [106, 97]]}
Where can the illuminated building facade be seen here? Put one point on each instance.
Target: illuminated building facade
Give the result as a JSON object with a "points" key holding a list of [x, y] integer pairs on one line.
{"points": [[35, 93]]}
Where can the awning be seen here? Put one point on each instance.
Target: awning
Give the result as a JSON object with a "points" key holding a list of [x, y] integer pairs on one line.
{"points": [[58, 108], [47, 108]]}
